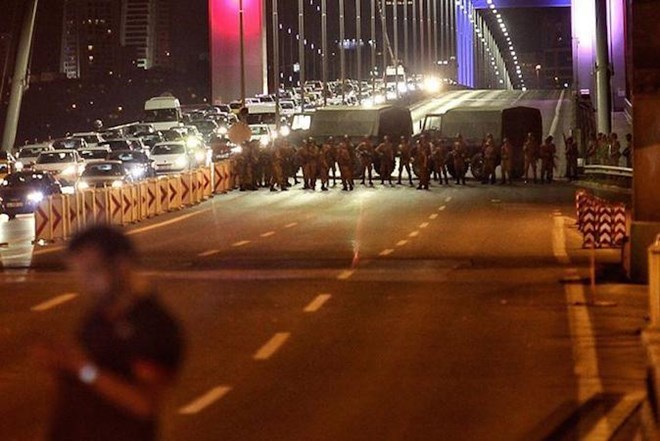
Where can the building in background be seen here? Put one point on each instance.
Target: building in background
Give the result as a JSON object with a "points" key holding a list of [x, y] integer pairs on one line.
{"points": [[111, 37]]}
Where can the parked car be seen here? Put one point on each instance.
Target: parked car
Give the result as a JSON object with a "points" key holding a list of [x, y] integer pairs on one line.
{"points": [[69, 143], [93, 139], [117, 144], [104, 174], [22, 191], [65, 165], [136, 162], [170, 157], [94, 154]]}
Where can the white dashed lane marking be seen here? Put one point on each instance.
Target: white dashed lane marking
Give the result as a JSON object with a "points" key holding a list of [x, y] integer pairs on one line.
{"points": [[433, 216], [292, 224], [317, 303], [208, 253], [268, 234], [401, 243], [442, 208], [386, 252], [414, 234], [52, 303], [448, 199], [272, 346], [344, 275], [205, 400], [240, 243], [423, 225]]}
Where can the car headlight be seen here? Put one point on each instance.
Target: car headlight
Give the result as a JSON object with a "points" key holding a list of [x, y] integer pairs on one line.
{"points": [[192, 142], [181, 162], [222, 130], [117, 184], [82, 185], [18, 165], [137, 172], [265, 140], [200, 156], [35, 197], [70, 170], [285, 131]]}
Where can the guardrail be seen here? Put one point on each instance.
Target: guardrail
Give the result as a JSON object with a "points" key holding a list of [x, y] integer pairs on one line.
{"points": [[608, 170], [60, 216]]}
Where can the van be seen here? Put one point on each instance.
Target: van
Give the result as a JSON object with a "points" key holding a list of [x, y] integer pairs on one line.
{"points": [[163, 112]]}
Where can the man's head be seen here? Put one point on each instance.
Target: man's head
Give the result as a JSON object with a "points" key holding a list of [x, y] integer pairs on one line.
{"points": [[101, 258]]}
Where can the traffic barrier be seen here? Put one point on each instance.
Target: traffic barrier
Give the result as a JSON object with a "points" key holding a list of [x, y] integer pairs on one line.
{"points": [[153, 197], [207, 179], [619, 225], [102, 206], [126, 205], [135, 202], [187, 188], [654, 281], [74, 217], [115, 207], [589, 238], [88, 208], [605, 226], [43, 227], [581, 201], [220, 183], [174, 192], [164, 191], [199, 188], [143, 203], [59, 210]]}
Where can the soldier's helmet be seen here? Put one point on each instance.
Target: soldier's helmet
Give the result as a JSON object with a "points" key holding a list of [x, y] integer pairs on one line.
{"points": [[386, 138], [330, 140], [505, 140], [459, 136], [403, 137], [310, 140]]}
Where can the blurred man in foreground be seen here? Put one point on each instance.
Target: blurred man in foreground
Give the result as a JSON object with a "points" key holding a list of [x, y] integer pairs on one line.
{"points": [[127, 350]]}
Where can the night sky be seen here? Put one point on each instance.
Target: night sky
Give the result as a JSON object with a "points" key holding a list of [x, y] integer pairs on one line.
{"points": [[190, 33]]}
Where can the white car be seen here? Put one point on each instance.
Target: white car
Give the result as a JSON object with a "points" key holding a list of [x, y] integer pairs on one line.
{"points": [[94, 154], [93, 139], [65, 165], [27, 155], [261, 133], [170, 157]]}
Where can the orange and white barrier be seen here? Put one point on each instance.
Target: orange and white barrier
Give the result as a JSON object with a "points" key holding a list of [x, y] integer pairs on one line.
{"points": [[60, 216]]}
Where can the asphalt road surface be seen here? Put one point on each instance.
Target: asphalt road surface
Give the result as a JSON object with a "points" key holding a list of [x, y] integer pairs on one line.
{"points": [[379, 314]]}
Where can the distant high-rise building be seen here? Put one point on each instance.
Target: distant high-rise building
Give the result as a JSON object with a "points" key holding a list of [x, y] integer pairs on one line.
{"points": [[107, 37], [90, 38]]}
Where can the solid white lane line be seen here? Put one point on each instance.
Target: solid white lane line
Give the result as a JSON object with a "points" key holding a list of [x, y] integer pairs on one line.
{"points": [[205, 400], [292, 224], [208, 253], [401, 243], [414, 234], [448, 199], [345, 274], [45, 306], [240, 243], [559, 241], [433, 216], [386, 252], [423, 225], [317, 303], [585, 357], [268, 234], [167, 222], [272, 346], [442, 208]]}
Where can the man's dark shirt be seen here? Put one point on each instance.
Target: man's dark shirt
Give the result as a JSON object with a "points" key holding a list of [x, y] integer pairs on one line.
{"points": [[147, 333]]}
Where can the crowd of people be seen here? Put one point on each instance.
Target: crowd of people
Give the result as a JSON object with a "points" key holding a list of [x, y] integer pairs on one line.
{"points": [[427, 157], [604, 149]]}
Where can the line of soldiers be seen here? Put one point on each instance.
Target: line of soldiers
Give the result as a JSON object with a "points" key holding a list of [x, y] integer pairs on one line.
{"points": [[428, 158], [275, 166]]}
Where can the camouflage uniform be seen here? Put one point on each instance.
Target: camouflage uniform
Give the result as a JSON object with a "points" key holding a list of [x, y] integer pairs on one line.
{"points": [[365, 153], [405, 156], [277, 167], [345, 165], [422, 165], [507, 160], [385, 151], [490, 162], [530, 152], [459, 152], [547, 153]]}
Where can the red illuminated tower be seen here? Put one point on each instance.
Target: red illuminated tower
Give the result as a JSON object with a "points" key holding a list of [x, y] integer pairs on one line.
{"points": [[225, 48]]}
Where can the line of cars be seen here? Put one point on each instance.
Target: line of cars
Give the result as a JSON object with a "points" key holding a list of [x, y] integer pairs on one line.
{"points": [[81, 161]]}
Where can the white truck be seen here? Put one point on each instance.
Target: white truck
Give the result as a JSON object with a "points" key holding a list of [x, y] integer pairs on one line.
{"points": [[163, 112]]}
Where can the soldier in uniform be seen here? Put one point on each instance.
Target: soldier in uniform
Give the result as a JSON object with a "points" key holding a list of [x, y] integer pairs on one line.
{"points": [[490, 160], [385, 151], [405, 156], [439, 156], [507, 160], [345, 161], [531, 153], [423, 164], [571, 152], [459, 152], [325, 158], [277, 166], [547, 153], [365, 153], [331, 158], [310, 164]]}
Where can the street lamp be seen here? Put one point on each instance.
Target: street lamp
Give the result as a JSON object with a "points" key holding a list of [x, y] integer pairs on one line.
{"points": [[538, 75]]}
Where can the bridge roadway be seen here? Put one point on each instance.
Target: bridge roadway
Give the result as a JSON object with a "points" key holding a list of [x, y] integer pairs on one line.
{"points": [[380, 314]]}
